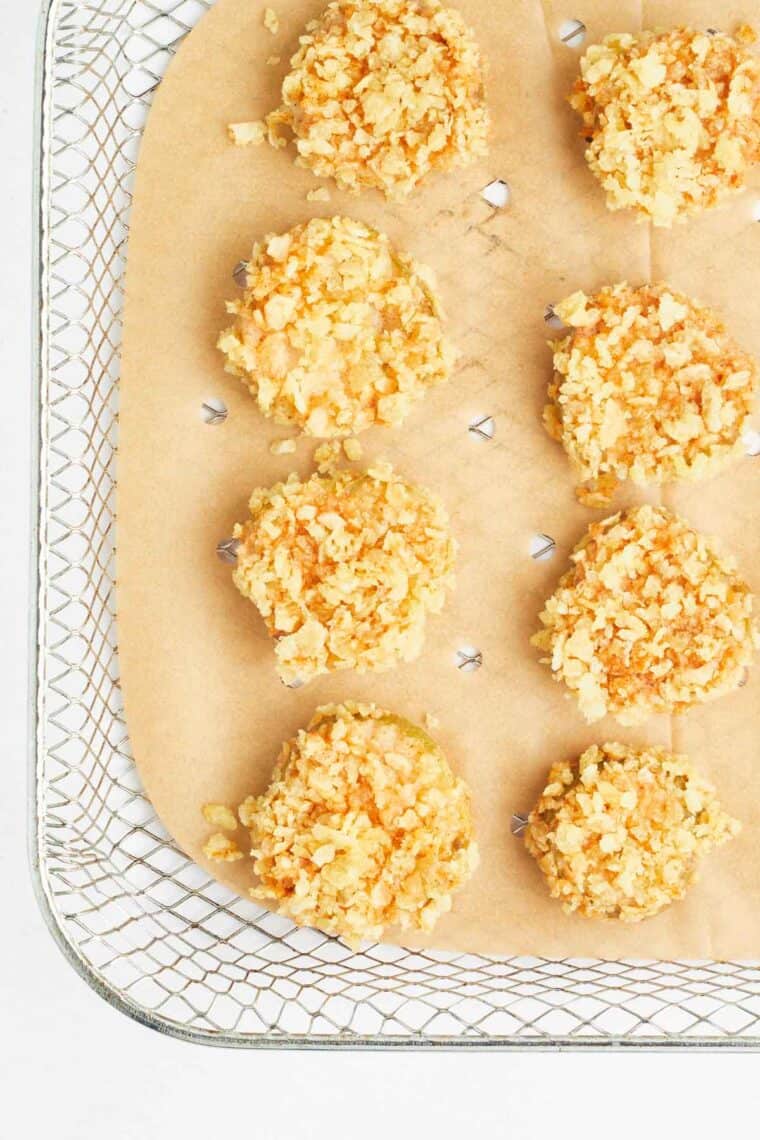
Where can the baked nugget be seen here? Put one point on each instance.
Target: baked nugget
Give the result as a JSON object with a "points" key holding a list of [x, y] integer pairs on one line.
{"points": [[344, 568], [649, 619], [363, 826], [336, 330], [647, 386], [619, 832], [671, 119], [381, 93]]}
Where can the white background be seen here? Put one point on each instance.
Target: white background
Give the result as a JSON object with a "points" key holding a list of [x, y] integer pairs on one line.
{"points": [[73, 1069]]}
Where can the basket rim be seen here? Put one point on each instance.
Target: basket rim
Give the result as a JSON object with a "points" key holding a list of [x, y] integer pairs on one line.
{"points": [[598, 1042]]}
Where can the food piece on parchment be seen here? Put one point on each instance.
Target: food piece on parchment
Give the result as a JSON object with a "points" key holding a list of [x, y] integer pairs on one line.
{"points": [[649, 619], [648, 386], [381, 93], [220, 848], [619, 832], [363, 826], [672, 119], [344, 568], [336, 330]]}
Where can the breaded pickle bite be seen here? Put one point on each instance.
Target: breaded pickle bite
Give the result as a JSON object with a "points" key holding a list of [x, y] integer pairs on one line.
{"points": [[619, 832]]}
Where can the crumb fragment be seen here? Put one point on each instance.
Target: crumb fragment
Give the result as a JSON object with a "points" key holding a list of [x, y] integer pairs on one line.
{"points": [[247, 134], [672, 119], [221, 849], [382, 92], [327, 456], [271, 21], [336, 330], [273, 60], [364, 826], [649, 619], [353, 449], [432, 722], [282, 446], [320, 194], [344, 568], [597, 493], [746, 34], [619, 832], [647, 386], [218, 815]]}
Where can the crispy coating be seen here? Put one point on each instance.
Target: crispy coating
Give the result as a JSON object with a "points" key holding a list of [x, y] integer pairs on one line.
{"points": [[382, 92], [618, 833], [672, 120], [363, 826], [649, 619], [344, 569], [336, 330], [648, 386]]}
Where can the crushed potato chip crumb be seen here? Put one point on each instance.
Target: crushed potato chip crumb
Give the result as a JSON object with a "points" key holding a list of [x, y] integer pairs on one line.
{"points": [[273, 60], [327, 456], [364, 826], [282, 446], [336, 330], [432, 722], [217, 815], [247, 134], [648, 386], [650, 619], [353, 449], [382, 92], [320, 194], [271, 21], [618, 833], [221, 849], [672, 120], [344, 569]]}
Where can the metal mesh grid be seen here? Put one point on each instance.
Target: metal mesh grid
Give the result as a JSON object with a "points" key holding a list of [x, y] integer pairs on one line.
{"points": [[146, 927]]}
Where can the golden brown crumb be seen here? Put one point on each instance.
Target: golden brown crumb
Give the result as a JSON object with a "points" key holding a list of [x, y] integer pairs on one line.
{"points": [[618, 833], [327, 456], [648, 386], [746, 34], [344, 569], [271, 21], [648, 620], [382, 92], [217, 815], [247, 134], [221, 849], [321, 194], [337, 330], [282, 446], [353, 449], [672, 120], [364, 826], [273, 60]]}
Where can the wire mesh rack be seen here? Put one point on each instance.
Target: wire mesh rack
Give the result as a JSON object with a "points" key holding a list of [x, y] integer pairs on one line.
{"points": [[147, 928]]}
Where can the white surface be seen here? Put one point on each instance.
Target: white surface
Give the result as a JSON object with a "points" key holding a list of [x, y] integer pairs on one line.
{"points": [[73, 1069]]}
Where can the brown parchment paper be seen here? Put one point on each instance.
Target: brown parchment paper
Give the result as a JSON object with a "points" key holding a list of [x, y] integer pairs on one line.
{"points": [[206, 712]]}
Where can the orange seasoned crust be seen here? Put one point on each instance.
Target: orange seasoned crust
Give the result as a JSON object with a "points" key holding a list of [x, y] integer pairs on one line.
{"points": [[363, 826], [650, 619], [344, 569], [336, 330], [382, 92], [672, 119], [618, 833], [648, 386]]}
